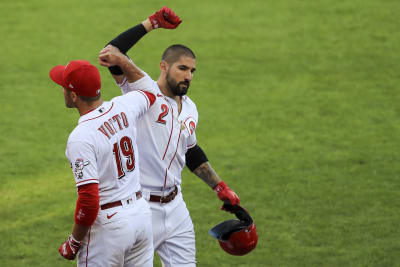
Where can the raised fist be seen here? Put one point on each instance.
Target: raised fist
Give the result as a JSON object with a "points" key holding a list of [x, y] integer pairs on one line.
{"points": [[226, 194], [110, 56], [69, 248], [165, 18]]}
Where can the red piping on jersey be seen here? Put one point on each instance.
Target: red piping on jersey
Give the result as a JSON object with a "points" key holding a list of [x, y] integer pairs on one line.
{"points": [[191, 145], [112, 104], [172, 129], [87, 180], [150, 96], [165, 178], [87, 247], [123, 82], [188, 118], [177, 145], [88, 111], [145, 96], [176, 148]]}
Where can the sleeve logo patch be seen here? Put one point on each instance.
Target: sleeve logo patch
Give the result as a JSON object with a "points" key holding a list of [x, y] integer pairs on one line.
{"points": [[190, 125], [78, 168]]}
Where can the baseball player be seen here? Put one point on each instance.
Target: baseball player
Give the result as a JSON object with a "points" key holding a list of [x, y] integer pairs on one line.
{"points": [[166, 138], [112, 220]]}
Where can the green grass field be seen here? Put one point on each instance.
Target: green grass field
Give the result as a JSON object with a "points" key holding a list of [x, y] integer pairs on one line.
{"points": [[298, 112]]}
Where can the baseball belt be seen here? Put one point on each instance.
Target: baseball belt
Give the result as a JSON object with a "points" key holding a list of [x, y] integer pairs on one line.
{"points": [[164, 199], [119, 202]]}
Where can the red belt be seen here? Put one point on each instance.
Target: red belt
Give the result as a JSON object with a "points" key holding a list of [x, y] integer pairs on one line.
{"points": [[164, 199], [119, 202]]}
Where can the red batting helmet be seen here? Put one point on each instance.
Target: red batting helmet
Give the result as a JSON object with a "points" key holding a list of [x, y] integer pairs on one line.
{"points": [[236, 237]]}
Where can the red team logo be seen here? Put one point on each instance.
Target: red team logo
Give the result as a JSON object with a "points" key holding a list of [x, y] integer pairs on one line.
{"points": [[192, 127]]}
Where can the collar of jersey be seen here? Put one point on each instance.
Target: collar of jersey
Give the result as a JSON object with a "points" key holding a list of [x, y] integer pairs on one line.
{"points": [[170, 99], [97, 112]]}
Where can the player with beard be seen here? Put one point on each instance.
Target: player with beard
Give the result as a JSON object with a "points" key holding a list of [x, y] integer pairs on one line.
{"points": [[166, 137]]}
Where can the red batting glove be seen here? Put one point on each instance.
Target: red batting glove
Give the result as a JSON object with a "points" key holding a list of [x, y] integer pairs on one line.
{"points": [[226, 194], [70, 248], [165, 18]]}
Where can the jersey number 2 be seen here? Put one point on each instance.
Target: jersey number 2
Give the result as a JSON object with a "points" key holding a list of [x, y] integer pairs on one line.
{"points": [[125, 146], [164, 112]]}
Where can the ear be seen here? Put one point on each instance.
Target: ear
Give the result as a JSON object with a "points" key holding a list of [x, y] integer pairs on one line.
{"points": [[74, 96], [164, 66]]}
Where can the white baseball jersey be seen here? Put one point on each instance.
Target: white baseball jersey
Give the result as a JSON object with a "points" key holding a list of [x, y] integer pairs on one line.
{"points": [[164, 136], [103, 147]]}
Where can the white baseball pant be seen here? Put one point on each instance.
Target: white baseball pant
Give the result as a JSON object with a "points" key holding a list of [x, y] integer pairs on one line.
{"points": [[173, 233], [120, 237]]}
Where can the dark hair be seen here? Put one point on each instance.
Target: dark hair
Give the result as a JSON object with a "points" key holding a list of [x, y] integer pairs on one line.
{"points": [[84, 98], [174, 52], [90, 98]]}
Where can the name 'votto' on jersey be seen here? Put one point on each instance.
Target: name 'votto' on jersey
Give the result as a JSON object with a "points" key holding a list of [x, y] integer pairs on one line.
{"points": [[103, 147]]}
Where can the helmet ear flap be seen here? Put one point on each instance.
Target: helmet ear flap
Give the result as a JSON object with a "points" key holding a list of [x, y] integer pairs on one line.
{"points": [[236, 237], [224, 230]]}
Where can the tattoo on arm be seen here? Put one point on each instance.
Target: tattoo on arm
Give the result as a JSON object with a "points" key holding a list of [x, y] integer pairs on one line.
{"points": [[207, 174]]}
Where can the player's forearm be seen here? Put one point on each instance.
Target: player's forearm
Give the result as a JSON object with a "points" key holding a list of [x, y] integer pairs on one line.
{"points": [[207, 174], [87, 207], [129, 38], [132, 73], [79, 231], [111, 56], [124, 42], [197, 162]]}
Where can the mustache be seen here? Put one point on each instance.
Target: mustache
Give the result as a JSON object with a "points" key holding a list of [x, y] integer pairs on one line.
{"points": [[187, 83]]}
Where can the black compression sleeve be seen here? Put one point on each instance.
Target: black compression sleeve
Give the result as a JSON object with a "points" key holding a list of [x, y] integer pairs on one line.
{"points": [[128, 38], [125, 41], [115, 70], [195, 156]]}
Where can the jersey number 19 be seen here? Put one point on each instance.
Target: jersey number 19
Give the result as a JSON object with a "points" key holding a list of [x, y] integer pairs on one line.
{"points": [[125, 146]]}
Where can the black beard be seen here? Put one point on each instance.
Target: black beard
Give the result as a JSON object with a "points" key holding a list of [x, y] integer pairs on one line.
{"points": [[177, 89]]}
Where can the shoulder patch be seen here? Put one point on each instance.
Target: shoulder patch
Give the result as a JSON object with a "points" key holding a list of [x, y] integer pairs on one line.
{"points": [[190, 124], [78, 167]]}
